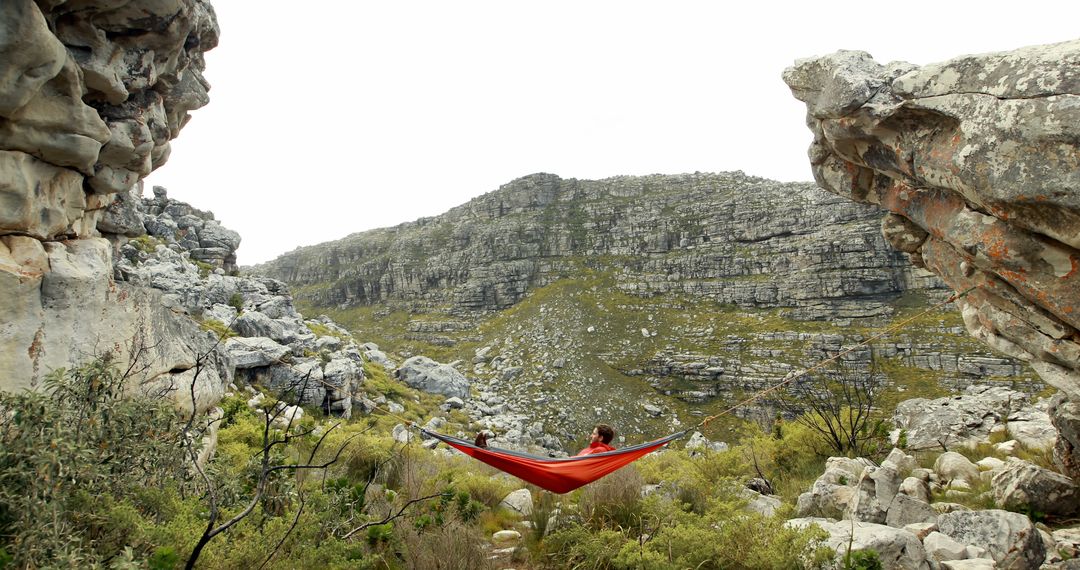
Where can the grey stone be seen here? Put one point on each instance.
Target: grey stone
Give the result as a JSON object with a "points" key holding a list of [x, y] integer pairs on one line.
{"points": [[519, 501], [874, 493], [940, 547], [762, 504], [830, 496], [425, 374], [1010, 538], [905, 510], [896, 548], [970, 564], [252, 352], [954, 467], [1022, 485], [379, 357], [258, 324], [900, 461], [401, 434], [915, 488]]}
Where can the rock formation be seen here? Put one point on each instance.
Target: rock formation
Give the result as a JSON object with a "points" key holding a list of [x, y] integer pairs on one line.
{"points": [[264, 339], [890, 510], [91, 93], [727, 237], [976, 162]]}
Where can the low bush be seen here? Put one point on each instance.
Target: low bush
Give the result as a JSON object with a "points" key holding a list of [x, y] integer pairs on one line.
{"points": [[69, 455], [614, 501]]}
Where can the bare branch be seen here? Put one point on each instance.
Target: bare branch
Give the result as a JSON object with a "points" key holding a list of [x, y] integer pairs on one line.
{"points": [[292, 527], [389, 517]]}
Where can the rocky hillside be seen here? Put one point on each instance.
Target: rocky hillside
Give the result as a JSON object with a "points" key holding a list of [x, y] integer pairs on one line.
{"points": [[976, 163], [647, 299], [727, 237]]}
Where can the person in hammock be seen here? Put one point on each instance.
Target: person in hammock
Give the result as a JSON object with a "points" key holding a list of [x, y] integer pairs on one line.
{"points": [[599, 440]]}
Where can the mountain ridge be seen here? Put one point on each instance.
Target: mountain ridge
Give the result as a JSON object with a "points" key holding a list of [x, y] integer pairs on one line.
{"points": [[678, 291]]}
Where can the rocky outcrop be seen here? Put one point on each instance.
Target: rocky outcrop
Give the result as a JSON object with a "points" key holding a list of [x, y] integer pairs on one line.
{"points": [[91, 93], [425, 374], [919, 534], [265, 340], [969, 418], [976, 162], [1023, 485]]}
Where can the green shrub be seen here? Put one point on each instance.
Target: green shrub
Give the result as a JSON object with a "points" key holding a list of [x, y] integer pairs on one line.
{"points": [[725, 539], [205, 269], [613, 501], [163, 558], [451, 545], [862, 560], [65, 455], [319, 329], [576, 546], [236, 301], [145, 243]]}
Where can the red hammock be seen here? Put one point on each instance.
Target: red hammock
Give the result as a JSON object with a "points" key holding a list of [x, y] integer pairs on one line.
{"points": [[558, 475]]}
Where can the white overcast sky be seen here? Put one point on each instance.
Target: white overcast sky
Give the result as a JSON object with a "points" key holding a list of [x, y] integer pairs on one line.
{"points": [[332, 117]]}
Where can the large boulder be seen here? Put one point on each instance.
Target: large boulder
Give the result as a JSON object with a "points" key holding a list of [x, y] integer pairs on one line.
{"points": [[941, 547], [1024, 486], [905, 510], [520, 501], [970, 417], [952, 466], [897, 549], [975, 162], [1066, 416], [903, 463], [254, 352], [874, 493], [1010, 538], [830, 496], [425, 374]]}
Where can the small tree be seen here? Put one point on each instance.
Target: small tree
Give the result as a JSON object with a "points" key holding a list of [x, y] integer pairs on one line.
{"points": [[839, 405], [273, 440]]}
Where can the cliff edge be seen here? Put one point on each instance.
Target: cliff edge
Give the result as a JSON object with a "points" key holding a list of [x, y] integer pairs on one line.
{"points": [[976, 162], [91, 93]]}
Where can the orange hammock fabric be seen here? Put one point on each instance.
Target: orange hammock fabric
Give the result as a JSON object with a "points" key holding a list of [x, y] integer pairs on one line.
{"points": [[558, 475]]}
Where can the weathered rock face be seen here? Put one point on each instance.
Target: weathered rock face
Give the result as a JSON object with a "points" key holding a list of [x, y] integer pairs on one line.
{"points": [[91, 93], [311, 362], [727, 237], [977, 162]]}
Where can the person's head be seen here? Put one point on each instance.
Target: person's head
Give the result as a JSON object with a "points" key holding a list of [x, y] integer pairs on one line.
{"points": [[603, 433]]}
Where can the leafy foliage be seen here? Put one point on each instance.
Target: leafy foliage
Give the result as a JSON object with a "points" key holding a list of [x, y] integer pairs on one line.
{"points": [[91, 477], [79, 445]]}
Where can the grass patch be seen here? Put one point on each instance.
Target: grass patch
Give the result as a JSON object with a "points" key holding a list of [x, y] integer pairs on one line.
{"points": [[220, 329]]}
